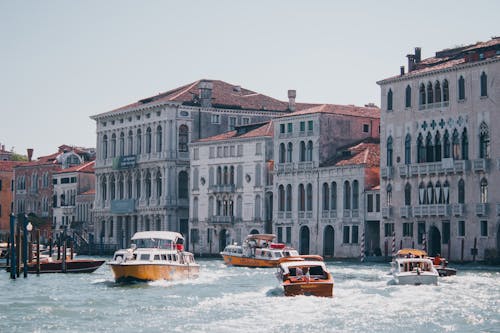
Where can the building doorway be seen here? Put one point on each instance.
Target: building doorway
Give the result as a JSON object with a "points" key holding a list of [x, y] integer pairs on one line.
{"points": [[434, 241], [222, 239], [328, 241], [372, 238], [304, 240]]}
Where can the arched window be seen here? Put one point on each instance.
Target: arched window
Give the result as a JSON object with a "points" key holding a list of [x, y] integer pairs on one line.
{"points": [[484, 190], [437, 92], [183, 185], [309, 192], [257, 175], [113, 145], [446, 91], [389, 151], [446, 145], [484, 141], [120, 187], [389, 100], [121, 149], [355, 195], [148, 140], [347, 195], [333, 196], [225, 176], [421, 100], [431, 199], [455, 141], [302, 152], [104, 189], [326, 197], [461, 88], [282, 153], [159, 139], [158, 184], [289, 152], [257, 208], [139, 142], [112, 188], [439, 193], [138, 188], [465, 145], [302, 198], [129, 187], [408, 149], [430, 93], [446, 192], [408, 194], [148, 185], [420, 149], [288, 198], [461, 191], [130, 143], [408, 97], [484, 86], [437, 147], [309, 156], [195, 208], [183, 138], [281, 198], [422, 196], [219, 176], [105, 147], [388, 193], [429, 147]]}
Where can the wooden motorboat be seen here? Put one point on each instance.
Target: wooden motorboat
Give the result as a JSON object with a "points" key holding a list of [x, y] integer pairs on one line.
{"points": [[305, 277], [258, 250], [415, 271], [67, 266], [440, 264], [154, 255]]}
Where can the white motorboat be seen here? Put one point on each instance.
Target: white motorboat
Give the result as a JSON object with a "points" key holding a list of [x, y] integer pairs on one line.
{"points": [[414, 271]]}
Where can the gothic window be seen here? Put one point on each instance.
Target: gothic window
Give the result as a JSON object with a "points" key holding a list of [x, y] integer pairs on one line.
{"points": [[183, 185], [289, 152], [389, 151], [302, 198], [326, 197], [183, 138], [446, 91], [455, 141], [257, 207], [484, 141], [430, 94], [219, 175], [130, 143], [408, 97], [461, 88], [104, 189], [148, 140], [437, 147], [437, 92], [333, 196], [388, 193], [422, 196], [105, 147], [484, 86], [281, 198], [408, 149], [389, 100], [420, 149], [302, 152], [439, 193], [113, 145], [408, 194], [446, 145], [465, 145], [431, 198], [347, 195], [429, 147], [148, 185], [121, 149], [422, 94], [112, 188], [309, 156], [446, 192], [309, 197], [257, 175], [159, 139], [282, 153], [158, 184], [355, 194], [139, 141], [461, 191], [484, 190], [288, 198]]}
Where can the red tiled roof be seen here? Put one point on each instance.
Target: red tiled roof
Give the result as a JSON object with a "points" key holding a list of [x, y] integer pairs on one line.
{"points": [[9, 165], [85, 167], [88, 192], [362, 153], [224, 95], [261, 131], [348, 110]]}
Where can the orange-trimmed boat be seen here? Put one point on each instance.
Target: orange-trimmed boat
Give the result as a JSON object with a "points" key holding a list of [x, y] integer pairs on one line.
{"points": [[258, 250], [305, 277], [154, 255]]}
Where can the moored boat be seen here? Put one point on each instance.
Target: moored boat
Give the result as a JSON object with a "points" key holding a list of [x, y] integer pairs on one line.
{"points": [[258, 250], [415, 271], [305, 277], [154, 255], [68, 266]]}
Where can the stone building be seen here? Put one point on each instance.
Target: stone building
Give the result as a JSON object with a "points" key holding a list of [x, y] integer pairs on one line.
{"points": [[231, 187], [6, 196], [439, 154], [142, 166], [325, 157]]}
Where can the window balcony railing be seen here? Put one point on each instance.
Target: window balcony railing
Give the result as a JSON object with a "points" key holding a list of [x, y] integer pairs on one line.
{"points": [[431, 210], [347, 213], [281, 215], [387, 212], [405, 211], [387, 172], [222, 219], [309, 215], [288, 215], [302, 214], [458, 209], [480, 165], [404, 170], [222, 188], [305, 165], [481, 209], [284, 167], [355, 212], [325, 214], [333, 213], [437, 105]]}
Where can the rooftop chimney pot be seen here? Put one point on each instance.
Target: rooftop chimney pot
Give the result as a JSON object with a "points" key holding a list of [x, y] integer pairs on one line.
{"points": [[402, 70], [30, 154], [292, 94], [205, 87], [418, 55]]}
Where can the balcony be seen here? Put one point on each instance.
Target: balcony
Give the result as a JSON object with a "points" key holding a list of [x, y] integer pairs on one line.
{"points": [[333, 213], [431, 210], [458, 209], [480, 165], [281, 215], [387, 172], [387, 212], [405, 211], [481, 209], [288, 215], [302, 214], [305, 165], [347, 213], [122, 206], [325, 214], [437, 105], [284, 167], [222, 219], [222, 188], [404, 170]]}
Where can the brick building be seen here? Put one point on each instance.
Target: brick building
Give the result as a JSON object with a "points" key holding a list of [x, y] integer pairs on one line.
{"points": [[6, 195]]}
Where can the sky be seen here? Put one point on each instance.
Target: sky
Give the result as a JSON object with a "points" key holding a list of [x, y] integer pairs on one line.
{"points": [[64, 61]]}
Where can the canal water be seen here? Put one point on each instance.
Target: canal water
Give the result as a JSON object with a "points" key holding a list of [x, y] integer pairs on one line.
{"points": [[232, 299]]}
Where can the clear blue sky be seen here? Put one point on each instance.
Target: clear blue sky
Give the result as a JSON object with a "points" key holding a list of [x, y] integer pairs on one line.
{"points": [[63, 61]]}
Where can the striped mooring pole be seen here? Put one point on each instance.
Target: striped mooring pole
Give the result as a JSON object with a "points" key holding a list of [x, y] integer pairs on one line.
{"points": [[362, 247], [424, 243], [393, 243]]}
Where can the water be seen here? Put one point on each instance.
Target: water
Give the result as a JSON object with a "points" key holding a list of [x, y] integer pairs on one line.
{"points": [[232, 299]]}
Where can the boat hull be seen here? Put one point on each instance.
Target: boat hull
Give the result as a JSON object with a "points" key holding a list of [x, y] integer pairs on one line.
{"points": [[72, 266], [322, 288], [415, 279], [445, 271], [249, 262], [151, 272]]}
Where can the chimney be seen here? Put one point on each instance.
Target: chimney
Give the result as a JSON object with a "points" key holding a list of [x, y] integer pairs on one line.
{"points": [[411, 62], [30, 154], [402, 70], [418, 55], [205, 87], [291, 99]]}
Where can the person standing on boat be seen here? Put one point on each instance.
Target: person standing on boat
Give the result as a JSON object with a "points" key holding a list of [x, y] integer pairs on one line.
{"points": [[437, 260]]}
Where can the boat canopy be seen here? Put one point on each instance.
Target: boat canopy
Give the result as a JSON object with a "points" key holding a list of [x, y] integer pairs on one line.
{"points": [[291, 264], [266, 237], [415, 252], [167, 235]]}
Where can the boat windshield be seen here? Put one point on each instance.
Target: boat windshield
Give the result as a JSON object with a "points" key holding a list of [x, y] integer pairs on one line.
{"points": [[154, 243]]}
